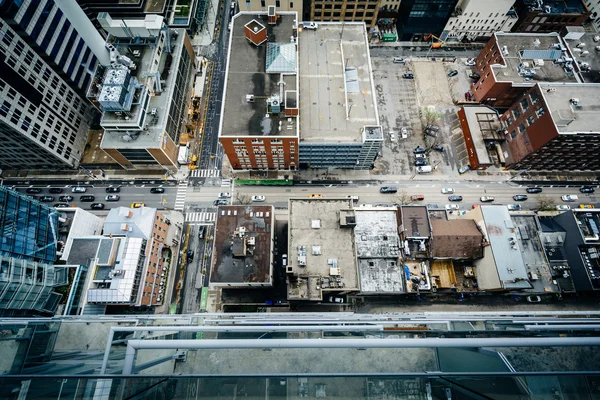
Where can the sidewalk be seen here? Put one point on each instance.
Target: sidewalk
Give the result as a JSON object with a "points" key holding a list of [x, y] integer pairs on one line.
{"points": [[206, 36], [97, 174]]}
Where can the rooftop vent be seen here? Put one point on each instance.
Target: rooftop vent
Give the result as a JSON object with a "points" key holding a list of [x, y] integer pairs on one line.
{"points": [[315, 224]]}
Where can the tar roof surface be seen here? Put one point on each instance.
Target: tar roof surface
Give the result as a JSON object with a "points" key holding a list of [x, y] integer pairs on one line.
{"points": [[517, 42], [415, 221], [583, 118], [324, 101], [246, 75], [481, 119], [255, 266], [458, 238], [592, 58], [336, 242]]}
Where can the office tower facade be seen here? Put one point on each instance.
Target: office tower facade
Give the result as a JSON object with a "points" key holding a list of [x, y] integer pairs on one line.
{"points": [[48, 53]]}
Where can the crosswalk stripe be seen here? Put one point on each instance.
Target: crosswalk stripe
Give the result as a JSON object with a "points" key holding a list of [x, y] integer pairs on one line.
{"points": [[205, 173], [201, 217], [180, 196]]}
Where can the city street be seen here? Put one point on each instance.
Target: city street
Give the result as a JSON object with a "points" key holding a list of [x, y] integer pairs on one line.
{"points": [[130, 193]]}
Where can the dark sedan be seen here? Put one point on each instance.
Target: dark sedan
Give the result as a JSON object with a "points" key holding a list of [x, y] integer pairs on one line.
{"points": [[520, 197], [587, 189], [534, 190], [455, 198]]}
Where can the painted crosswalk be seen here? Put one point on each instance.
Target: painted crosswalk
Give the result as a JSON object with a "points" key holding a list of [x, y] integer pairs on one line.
{"points": [[205, 173], [225, 182], [180, 197], [199, 217]]}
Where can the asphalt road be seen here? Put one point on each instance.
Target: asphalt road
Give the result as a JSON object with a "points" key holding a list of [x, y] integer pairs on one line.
{"points": [[369, 194], [194, 279], [419, 52], [129, 194]]}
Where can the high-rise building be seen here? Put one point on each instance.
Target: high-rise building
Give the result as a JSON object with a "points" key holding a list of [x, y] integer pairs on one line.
{"points": [[29, 231], [419, 18], [48, 54], [549, 15], [345, 10], [478, 19], [594, 7]]}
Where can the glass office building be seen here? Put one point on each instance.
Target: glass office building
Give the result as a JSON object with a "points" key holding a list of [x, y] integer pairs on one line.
{"points": [[522, 355], [27, 251]]}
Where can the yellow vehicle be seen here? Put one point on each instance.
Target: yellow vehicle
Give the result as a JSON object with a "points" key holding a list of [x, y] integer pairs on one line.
{"points": [[434, 45], [586, 206], [137, 205], [315, 196]]}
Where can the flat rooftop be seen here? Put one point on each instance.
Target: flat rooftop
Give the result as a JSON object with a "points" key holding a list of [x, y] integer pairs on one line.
{"points": [[483, 123], [415, 221], [591, 72], [378, 250], [527, 47], [143, 57], [583, 117], [559, 6], [320, 247], [246, 75], [335, 80], [243, 246]]}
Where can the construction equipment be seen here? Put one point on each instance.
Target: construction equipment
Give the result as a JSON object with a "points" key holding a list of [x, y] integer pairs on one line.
{"points": [[434, 45]]}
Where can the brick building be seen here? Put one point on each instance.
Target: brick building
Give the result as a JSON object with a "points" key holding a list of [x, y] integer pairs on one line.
{"points": [[511, 63], [554, 127], [549, 15]]}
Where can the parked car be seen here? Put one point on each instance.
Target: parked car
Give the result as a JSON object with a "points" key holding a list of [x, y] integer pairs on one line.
{"points": [[55, 190], [66, 198], [224, 195], [447, 190], [418, 150], [431, 132], [392, 137], [563, 207], [137, 205], [464, 169], [534, 299], [315, 196], [112, 197], [417, 197], [421, 163], [221, 202], [47, 199], [113, 190], [354, 198], [451, 207], [399, 60], [78, 189], [426, 169], [334, 299], [520, 197], [513, 207], [33, 190], [258, 198], [190, 256], [408, 76], [97, 206], [439, 148], [569, 197], [421, 156], [470, 62], [310, 25], [201, 231], [284, 260], [61, 205], [586, 206], [388, 189], [587, 189], [157, 190], [534, 190], [87, 199], [455, 198], [453, 73], [433, 127], [486, 199]]}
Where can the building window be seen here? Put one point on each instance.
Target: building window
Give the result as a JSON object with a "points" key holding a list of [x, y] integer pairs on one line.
{"points": [[516, 113], [530, 120], [540, 111], [524, 104], [534, 97], [513, 134], [291, 4], [263, 3], [522, 128]]}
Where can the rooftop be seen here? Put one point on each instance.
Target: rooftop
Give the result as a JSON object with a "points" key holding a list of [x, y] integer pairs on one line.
{"points": [[246, 75], [557, 6], [322, 248], [378, 249], [506, 251], [458, 238], [575, 108], [243, 246], [584, 54], [483, 124], [415, 221], [78, 223], [336, 81], [154, 124], [131, 222], [533, 255], [530, 58]]}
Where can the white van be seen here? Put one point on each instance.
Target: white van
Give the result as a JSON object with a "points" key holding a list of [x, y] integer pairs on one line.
{"points": [[425, 169], [570, 197], [284, 260]]}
